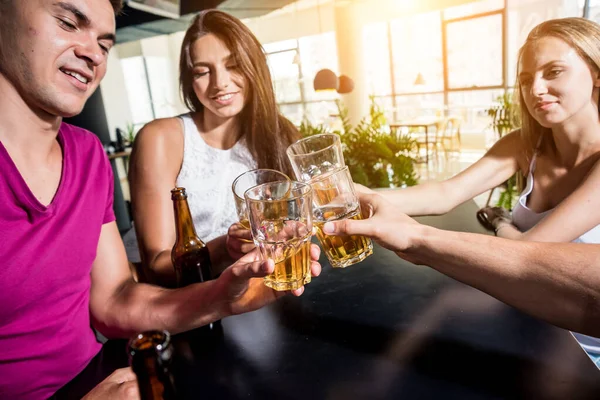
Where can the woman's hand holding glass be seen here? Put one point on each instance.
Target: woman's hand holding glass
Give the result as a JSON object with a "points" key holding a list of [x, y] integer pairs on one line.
{"points": [[239, 238]]}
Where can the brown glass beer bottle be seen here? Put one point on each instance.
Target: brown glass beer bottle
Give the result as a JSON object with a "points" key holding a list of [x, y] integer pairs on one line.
{"points": [[150, 355], [189, 255]]}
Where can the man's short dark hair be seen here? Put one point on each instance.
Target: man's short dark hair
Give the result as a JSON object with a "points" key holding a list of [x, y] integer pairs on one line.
{"points": [[117, 5]]}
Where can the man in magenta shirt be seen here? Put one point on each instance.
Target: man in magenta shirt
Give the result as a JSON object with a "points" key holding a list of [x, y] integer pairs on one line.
{"points": [[63, 264]]}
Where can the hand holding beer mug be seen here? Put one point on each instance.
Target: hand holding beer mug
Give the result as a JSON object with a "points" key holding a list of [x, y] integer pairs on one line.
{"points": [[315, 155], [281, 222], [250, 179], [334, 199]]}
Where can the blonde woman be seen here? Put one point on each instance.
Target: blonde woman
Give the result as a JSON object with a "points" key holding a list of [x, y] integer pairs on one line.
{"points": [[557, 147]]}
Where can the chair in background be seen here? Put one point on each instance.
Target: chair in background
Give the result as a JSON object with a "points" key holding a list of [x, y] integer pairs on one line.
{"points": [[427, 138], [449, 134]]}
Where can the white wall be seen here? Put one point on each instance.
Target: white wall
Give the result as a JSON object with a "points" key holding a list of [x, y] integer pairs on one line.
{"points": [[175, 41], [166, 48], [114, 95]]}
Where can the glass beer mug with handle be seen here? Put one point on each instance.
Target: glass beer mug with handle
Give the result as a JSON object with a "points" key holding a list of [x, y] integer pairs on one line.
{"points": [[248, 180], [334, 199], [281, 224]]}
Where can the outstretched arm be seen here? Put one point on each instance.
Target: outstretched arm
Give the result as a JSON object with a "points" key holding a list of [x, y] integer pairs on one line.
{"points": [[435, 198], [559, 283], [120, 307]]}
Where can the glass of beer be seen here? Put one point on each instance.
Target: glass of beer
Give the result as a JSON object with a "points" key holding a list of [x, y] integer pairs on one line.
{"points": [[250, 179], [281, 223], [334, 199], [315, 155]]}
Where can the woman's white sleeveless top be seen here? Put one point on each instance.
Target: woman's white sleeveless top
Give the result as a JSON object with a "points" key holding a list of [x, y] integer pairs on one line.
{"points": [[207, 174]]}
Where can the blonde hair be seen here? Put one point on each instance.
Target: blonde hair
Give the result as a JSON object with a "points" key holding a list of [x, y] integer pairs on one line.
{"points": [[583, 36]]}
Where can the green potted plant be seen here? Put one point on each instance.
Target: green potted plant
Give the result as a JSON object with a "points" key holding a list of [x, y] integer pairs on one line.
{"points": [[374, 157], [129, 135]]}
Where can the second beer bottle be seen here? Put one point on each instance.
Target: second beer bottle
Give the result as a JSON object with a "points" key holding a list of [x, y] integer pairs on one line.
{"points": [[150, 355]]}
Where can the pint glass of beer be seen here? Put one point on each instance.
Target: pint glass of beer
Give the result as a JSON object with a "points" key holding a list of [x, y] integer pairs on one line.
{"points": [[250, 179], [315, 155], [281, 223], [334, 199]]}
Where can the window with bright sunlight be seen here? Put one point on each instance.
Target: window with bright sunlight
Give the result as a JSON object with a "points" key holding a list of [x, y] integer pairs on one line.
{"points": [[286, 76], [150, 95], [317, 52], [474, 48], [293, 65], [377, 59], [138, 92], [417, 51], [162, 90]]}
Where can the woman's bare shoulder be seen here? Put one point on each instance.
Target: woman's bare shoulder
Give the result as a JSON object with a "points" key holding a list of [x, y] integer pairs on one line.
{"points": [[160, 141], [161, 129]]}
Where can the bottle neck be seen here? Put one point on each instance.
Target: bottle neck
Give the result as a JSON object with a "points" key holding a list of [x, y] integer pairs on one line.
{"points": [[184, 225]]}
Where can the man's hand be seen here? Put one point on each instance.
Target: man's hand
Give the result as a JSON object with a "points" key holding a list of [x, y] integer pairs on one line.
{"points": [[384, 222], [243, 282], [239, 241], [120, 385]]}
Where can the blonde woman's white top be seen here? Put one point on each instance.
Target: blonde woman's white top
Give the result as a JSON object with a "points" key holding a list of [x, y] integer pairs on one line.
{"points": [[524, 218]]}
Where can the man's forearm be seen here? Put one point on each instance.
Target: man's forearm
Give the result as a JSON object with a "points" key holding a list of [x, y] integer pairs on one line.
{"points": [[140, 307], [557, 282]]}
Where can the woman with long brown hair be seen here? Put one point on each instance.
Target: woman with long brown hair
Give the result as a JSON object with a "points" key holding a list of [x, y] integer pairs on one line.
{"points": [[233, 126]]}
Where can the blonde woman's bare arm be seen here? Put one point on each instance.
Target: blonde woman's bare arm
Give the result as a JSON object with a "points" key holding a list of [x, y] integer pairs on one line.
{"points": [[435, 198]]}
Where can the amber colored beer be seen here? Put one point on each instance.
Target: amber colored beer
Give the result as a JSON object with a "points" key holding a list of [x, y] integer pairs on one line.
{"points": [[292, 263], [281, 224], [343, 250], [245, 223]]}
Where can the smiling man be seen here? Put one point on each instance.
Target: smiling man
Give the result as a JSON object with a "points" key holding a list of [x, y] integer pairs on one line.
{"points": [[63, 265]]}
